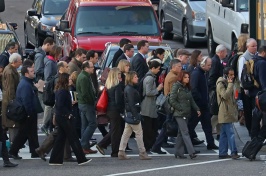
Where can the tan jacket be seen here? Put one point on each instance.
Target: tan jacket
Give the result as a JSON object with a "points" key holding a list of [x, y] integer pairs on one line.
{"points": [[10, 80], [227, 104], [170, 79], [74, 65]]}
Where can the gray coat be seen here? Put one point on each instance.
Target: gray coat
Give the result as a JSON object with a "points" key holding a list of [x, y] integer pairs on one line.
{"points": [[39, 63], [148, 105], [50, 68]]}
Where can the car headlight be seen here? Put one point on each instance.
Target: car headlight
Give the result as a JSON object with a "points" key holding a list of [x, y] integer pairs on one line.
{"points": [[47, 28], [198, 16]]}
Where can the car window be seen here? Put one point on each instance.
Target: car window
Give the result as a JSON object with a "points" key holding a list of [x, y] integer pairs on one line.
{"points": [[116, 20], [5, 39], [242, 5], [38, 6], [55, 7]]}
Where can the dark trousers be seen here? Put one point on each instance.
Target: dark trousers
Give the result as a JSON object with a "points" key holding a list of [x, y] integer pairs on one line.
{"points": [[255, 123], [115, 133], [205, 120], [66, 131], [4, 151], [248, 105], [102, 129], [150, 128], [27, 131]]}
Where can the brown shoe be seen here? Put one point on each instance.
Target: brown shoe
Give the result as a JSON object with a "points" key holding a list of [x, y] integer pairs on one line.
{"points": [[89, 151], [122, 155], [40, 153], [235, 156], [144, 156]]}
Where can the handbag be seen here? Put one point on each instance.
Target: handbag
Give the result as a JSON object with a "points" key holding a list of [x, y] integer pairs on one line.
{"points": [[160, 100], [130, 119], [171, 127], [16, 111], [102, 102]]}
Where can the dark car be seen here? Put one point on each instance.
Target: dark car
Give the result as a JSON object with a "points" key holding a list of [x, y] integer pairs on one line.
{"points": [[41, 19]]}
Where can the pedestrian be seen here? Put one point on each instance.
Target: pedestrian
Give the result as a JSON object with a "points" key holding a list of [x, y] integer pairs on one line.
{"points": [[64, 120], [227, 114], [114, 109], [195, 59], [183, 103], [127, 55], [120, 51], [132, 104]]}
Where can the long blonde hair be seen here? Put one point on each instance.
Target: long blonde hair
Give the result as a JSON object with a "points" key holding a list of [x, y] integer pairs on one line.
{"points": [[122, 64], [112, 79]]}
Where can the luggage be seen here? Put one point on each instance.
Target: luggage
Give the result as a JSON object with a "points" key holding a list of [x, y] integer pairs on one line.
{"points": [[251, 148]]}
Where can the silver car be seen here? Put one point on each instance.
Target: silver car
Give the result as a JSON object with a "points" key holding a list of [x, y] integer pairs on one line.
{"points": [[188, 18]]}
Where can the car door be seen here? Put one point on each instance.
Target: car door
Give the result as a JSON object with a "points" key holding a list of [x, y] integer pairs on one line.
{"points": [[33, 22], [167, 9], [179, 7]]}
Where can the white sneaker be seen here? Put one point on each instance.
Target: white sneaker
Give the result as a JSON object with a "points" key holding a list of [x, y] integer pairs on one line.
{"points": [[55, 164], [89, 160]]}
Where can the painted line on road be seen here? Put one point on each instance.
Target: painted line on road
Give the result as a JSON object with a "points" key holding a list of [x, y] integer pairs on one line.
{"points": [[168, 167]]}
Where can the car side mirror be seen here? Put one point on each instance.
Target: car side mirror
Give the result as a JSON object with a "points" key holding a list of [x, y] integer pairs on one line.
{"points": [[14, 25], [33, 12], [167, 26], [63, 26]]}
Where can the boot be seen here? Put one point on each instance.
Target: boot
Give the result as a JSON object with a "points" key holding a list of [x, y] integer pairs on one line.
{"points": [[122, 155], [144, 156]]}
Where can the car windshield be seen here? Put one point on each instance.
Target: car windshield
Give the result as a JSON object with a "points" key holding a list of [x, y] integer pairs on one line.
{"points": [[55, 7], [5, 39], [116, 20], [242, 5]]}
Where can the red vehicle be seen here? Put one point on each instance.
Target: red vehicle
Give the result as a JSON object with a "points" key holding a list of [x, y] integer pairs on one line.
{"points": [[90, 24]]}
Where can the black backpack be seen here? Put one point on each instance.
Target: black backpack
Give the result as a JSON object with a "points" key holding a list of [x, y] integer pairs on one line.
{"points": [[140, 87], [233, 60], [48, 92], [31, 55], [247, 76]]}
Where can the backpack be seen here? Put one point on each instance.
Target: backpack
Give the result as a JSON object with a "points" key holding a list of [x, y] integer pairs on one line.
{"points": [[140, 87], [261, 100], [31, 55], [233, 61], [247, 76], [48, 92]]}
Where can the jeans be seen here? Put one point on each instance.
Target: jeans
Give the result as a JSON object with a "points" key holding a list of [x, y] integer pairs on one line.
{"points": [[88, 124], [227, 136]]}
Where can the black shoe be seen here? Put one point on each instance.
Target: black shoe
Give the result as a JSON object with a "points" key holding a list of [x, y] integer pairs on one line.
{"points": [[196, 152], [9, 164], [224, 156], [212, 147], [181, 157], [128, 149], [40, 153], [166, 145], [35, 155], [93, 139], [158, 151], [193, 156], [92, 143], [16, 157], [196, 141], [71, 159]]}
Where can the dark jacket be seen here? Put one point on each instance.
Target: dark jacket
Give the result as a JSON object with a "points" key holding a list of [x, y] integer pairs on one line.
{"points": [[182, 101], [199, 88], [123, 56], [190, 68], [95, 81], [116, 56], [63, 103], [50, 67], [139, 65], [260, 72], [215, 72], [26, 95], [74, 65], [85, 90], [115, 99], [4, 59], [39, 63], [132, 100]]}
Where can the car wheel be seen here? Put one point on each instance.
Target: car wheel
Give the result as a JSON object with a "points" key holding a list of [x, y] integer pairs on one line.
{"points": [[166, 35], [186, 40], [26, 39], [211, 43]]}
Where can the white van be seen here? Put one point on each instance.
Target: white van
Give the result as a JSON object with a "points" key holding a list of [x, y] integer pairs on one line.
{"points": [[225, 21]]}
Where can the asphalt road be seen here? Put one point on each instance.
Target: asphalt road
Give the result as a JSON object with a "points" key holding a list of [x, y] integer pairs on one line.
{"points": [[207, 163]]}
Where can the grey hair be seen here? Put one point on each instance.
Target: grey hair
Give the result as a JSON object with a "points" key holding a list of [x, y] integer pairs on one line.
{"points": [[220, 48], [250, 40], [14, 57], [204, 60]]}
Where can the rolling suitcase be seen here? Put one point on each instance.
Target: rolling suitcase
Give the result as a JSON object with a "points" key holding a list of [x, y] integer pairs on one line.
{"points": [[251, 148]]}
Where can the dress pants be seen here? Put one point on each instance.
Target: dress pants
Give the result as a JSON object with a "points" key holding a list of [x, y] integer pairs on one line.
{"points": [[27, 131], [149, 126], [248, 105], [115, 133], [66, 131], [183, 138]]}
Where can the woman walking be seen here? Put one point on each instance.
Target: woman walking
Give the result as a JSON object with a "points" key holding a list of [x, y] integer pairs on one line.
{"points": [[182, 101], [132, 104], [195, 59], [64, 120]]}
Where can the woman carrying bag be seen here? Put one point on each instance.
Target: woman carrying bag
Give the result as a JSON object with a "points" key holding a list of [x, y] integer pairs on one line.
{"points": [[182, 101], [132, 105]]}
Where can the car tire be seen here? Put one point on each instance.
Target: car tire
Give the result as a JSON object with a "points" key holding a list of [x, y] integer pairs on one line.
{"points": [[26, 39], [166, 35], [186, 40], [211, 45]]}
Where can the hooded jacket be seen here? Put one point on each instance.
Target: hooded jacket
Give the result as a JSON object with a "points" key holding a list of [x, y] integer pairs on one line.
{"points": [[39, 63], [50, 67]]}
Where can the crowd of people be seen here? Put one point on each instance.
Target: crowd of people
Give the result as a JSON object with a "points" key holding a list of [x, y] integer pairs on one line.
{"points": [[133, 84]]}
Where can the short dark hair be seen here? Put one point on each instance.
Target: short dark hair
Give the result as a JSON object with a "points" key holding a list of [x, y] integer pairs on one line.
{"points": [[24, 69], [153, 64], [157, 51], [124, 41], [48, 40], [90, 53], [85, 64], [60, 64], [11, 45], [174, 62], [80, 51], [128, 47], [262, 49], [227, 69], [28, 62], [141, 44]]}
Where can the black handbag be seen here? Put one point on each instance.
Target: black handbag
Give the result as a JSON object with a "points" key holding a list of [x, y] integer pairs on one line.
{"points": [[171, 127], [16, 111], [130, 119]]}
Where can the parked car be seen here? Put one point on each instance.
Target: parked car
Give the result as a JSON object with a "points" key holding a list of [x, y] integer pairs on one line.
{"points": [[90, 24], [226, 20], [41, 19], [188, 18]]}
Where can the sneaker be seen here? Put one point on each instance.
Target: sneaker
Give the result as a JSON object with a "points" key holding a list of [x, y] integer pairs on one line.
{"points": [[89, 151], [224, 156], [55, 164], [89, 160], [44, 130], [172, 140], [235, 156], [158, 151], [100, 149]]}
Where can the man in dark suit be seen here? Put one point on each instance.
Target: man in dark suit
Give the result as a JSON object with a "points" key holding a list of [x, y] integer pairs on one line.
{"points": [[138, 62], [127, 55], [120, 51]]}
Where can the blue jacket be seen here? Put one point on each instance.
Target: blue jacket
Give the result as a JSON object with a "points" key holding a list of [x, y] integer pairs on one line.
{"points": [[199, 88], [260, 71], [26, 95]]}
